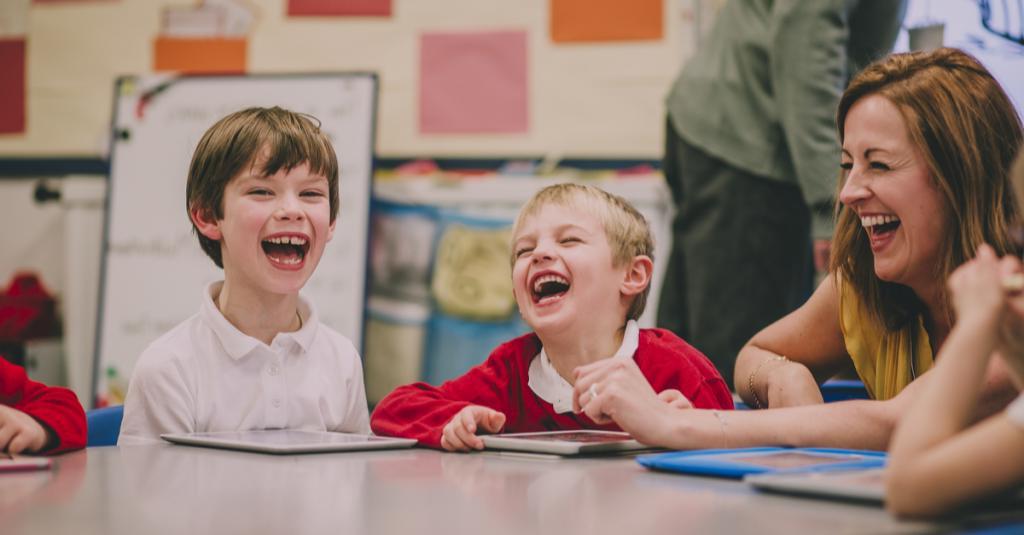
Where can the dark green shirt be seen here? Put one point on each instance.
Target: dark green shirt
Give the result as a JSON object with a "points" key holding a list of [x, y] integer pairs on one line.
{"points": [[762, 91]]}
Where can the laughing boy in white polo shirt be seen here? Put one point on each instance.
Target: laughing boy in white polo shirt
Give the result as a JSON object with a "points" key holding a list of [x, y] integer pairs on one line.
{"points": [[262, 195]]}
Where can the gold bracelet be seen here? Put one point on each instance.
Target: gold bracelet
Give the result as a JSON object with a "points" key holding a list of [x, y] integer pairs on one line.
{"points": [[750, 380]]}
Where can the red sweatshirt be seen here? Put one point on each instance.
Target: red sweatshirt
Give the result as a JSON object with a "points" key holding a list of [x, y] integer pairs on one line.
{"points": [[55, 408], [501, 382]]}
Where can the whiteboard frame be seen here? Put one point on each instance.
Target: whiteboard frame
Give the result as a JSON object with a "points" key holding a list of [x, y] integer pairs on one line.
{"points": [[119, 84]]}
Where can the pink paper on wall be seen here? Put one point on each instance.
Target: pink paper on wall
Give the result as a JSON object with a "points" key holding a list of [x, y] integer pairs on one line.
{"points": [[473, 82], [339, 7], [12, 85]]}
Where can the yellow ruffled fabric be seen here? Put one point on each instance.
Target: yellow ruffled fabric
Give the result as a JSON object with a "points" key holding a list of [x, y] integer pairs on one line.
{"points": [[882, 358]]}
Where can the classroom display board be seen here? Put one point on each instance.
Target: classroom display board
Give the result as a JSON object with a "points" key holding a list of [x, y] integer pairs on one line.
{"points": [[154, 271]]}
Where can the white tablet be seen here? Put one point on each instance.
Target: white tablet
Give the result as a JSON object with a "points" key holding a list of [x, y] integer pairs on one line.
{"points": [[17, 463], [858, 485], [583, 442], [288, 441]]}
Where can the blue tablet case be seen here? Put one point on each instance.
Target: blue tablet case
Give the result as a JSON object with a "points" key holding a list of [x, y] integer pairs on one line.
{"points": [[736, 463]]}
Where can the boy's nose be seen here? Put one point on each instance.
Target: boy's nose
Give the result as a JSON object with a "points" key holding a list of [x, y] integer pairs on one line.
{"points": [[289, 208], [542, 251]]}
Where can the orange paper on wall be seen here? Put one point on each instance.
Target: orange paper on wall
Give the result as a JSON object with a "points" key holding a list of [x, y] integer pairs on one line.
{"points": [[200, 55], [605, 20]]}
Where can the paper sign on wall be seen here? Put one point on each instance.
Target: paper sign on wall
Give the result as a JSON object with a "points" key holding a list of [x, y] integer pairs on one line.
{"points": [[196, 55], [12, 85], [209, 38], [605, 20], [298, 8], [473, 82]]}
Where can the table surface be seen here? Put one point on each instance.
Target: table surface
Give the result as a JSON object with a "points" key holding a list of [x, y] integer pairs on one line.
{"points": [[180, 489]]}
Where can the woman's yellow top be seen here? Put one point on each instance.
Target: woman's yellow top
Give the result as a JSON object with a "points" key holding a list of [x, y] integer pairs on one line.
{"points": [[882, 358]]}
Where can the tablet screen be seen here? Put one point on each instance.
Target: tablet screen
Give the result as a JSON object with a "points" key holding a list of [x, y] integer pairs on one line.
{"points": [[591, 437], [789, 460], [287, 437]]}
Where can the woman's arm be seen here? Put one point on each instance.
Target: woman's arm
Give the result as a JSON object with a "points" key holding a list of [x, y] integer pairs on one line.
{"points": [[811, 341], [624, 397]]}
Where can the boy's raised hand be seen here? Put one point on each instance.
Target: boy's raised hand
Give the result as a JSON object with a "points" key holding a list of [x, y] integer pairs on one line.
{"points": [[459, 433], [20, 432]]}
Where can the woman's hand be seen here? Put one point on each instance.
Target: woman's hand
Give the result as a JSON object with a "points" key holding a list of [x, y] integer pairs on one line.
{"points": [[615, 390], [1011, 332]]}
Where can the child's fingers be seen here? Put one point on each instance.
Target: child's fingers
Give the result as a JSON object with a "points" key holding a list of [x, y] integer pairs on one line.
{"points": [[450, 440], [492, 421], [469, 418], [6, 432], [467, 438], [19, 442]]}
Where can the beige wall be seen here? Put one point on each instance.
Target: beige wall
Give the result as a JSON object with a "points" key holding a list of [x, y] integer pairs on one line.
{"points": [[600, 100]]}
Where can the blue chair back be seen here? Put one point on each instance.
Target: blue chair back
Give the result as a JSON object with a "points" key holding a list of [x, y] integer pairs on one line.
{"points": [[842, 390], [104, 425]]}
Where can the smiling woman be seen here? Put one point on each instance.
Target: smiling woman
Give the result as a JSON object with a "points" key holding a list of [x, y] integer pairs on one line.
{"points": [[927, 139]]}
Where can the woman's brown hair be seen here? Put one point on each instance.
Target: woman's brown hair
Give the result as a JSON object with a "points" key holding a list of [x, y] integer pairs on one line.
{"points": [[967, 131]]}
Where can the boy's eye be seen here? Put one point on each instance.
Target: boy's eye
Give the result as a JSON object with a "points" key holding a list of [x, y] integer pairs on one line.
{"points": [[259, 192], [313, 193], [521, 252], [570, 239], [846, 165]]}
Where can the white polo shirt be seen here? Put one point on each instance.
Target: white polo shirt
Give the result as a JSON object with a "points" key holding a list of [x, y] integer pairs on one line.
{"points": [[206, 375]]}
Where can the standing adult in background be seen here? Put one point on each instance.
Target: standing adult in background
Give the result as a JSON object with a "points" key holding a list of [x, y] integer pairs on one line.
{"points": [[751, 158]]}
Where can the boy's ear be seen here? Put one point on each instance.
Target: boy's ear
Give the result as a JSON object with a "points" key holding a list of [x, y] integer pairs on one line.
{"points": [[205, 223], [330, 230], [638, 275]]}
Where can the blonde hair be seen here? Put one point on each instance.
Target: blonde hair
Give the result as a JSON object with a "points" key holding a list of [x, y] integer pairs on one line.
{"points": [[967, 131], [271, 138], [629, 236]]}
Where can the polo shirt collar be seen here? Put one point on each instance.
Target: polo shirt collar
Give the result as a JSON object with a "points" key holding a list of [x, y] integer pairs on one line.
{"points": [[238, 344], [551, 387]]}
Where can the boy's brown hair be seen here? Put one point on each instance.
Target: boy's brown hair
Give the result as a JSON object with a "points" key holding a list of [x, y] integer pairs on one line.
{"points": [[265, 140], [629, 235]]}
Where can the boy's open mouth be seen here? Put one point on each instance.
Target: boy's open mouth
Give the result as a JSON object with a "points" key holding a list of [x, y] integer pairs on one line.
{"points": [[289, 249], [548, 287], [880, 226]]}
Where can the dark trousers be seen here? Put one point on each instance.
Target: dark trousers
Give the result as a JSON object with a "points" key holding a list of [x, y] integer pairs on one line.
{"points": [[741, 253]]}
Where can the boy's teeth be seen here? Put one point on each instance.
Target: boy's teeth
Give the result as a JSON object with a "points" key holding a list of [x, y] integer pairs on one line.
{"points": [[548, 278], [294, 240]]}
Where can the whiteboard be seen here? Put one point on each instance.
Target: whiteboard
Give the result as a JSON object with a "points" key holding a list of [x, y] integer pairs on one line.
{"points": [[153, 271]]}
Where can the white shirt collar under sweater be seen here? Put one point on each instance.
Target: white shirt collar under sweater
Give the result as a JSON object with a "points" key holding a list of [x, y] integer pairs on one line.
{"points": [[551, 387]]}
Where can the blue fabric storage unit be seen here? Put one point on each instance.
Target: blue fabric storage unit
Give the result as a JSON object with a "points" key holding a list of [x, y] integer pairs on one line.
{"points": [[455, 345]]}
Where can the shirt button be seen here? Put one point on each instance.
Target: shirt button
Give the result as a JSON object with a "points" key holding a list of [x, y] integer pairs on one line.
{"points": [[273, 370], [276, 403]]}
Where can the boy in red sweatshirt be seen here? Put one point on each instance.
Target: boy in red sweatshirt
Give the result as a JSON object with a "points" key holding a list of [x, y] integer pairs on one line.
{"points": [[35, 418], [581, 269]]}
